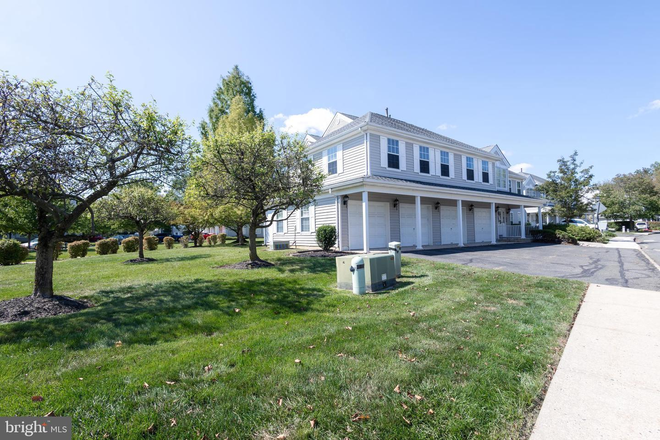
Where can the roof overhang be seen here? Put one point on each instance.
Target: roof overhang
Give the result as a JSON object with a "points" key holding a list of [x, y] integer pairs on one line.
{"points": [[416, 189]]}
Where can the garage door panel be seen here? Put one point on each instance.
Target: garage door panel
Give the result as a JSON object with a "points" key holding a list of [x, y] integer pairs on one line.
{"points": [[379, 225], [409, 224], [449, 223], [482, 225]]}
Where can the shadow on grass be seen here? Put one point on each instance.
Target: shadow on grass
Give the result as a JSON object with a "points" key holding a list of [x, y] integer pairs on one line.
{"points": [[180, 258], [314, 265], [149, 314]]}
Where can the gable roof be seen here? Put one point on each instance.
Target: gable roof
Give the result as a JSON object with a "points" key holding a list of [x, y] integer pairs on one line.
{"points": [[538, 180], [495, 149], [338, 120]]}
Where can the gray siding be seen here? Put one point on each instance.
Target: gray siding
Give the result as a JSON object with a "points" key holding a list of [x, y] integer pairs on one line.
{"points": [[354, 163], [469, 220], [324, 214], [410, 174], [435, 222]]}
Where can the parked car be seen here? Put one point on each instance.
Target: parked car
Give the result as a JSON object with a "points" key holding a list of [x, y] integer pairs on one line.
{"points": [[33, 243], [580, 222], [162, 235], [120, 237], [641, 226]]}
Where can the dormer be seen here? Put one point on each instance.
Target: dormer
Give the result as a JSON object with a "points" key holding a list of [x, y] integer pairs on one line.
{"points": [[338, 121]]}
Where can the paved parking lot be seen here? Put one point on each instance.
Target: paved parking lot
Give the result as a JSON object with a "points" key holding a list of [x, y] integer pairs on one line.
{"points": [[617, 267]]}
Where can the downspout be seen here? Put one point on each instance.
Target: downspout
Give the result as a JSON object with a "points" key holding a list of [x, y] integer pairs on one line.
{"points": [[367, 167]]}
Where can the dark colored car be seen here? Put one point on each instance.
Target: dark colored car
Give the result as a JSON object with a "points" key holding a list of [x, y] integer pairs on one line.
{"points": [[162, 235]]}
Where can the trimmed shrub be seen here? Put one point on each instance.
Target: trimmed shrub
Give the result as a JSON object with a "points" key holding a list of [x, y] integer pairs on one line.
{"points": [[57, 251], [326, 236], [184, 241], [102, 247], [114, 245], [168, 242], [566, 237], [222, 238], [130, 244], [584, 233], [151, 243], [11, 252], [655, 226], [200, 240], [212, 240], [78, 249]]}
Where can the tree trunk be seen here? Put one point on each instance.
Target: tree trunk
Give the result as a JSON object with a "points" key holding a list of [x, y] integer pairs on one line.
{"points": [[240, 238], [141, 244], [195, 236], [253, 243], [29, 240], [43, 271]]}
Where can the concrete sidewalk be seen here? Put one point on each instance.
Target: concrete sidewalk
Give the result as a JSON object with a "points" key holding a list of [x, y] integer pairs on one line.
{"points": [[607, 385]]}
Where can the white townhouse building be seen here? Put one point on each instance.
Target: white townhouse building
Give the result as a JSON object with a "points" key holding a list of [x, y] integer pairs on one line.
{"points": [[388, 180]]}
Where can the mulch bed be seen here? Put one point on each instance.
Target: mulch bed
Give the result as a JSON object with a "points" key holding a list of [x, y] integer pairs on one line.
{"points": [[139, 260], [29, 307], [246, 265], [320, 254]]}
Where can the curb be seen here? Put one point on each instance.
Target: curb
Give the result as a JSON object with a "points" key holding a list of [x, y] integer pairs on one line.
{"points": [[648, 257]]}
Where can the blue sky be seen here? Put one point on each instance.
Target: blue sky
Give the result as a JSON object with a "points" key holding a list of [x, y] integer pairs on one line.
{"points": [[540, 79]]}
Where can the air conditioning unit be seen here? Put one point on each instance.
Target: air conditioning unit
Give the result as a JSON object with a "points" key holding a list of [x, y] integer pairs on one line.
{"points": [[279, 245], [379, 272]]}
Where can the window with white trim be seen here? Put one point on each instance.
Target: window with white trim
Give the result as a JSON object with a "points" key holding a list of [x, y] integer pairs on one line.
{"points": [[469, 168], [510, 185], [332, 160], [304, 219], [279, 222], [519, 187], [392, 153], [424, 160], [485, 172], [444, 164], [500, 176]]}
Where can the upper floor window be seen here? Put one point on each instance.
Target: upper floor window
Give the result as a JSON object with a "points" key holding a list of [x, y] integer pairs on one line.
{"points": [[304, 219], [519, 187], [279, 222], [485, 174], [332, 160], [510, 187], [500, 176], [444, 164], [469, 168], [424, 160], [392, 153]]}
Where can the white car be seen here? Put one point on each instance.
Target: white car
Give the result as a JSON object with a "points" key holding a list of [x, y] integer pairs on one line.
{"points": [[33, 243], [641, 226], [580, 222]]}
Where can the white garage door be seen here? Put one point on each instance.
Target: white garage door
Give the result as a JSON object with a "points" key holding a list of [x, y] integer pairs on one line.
{"points": [[482, 225], [379, 224], [409, 224], [449, 224]]}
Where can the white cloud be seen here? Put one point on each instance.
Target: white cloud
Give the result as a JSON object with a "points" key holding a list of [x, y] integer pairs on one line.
{"points": [[446, 126], [651, 106], [314, 121], [525, 167]]}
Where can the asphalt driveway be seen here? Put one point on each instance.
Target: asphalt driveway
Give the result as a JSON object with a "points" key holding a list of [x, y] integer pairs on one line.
{"points": [[617, 267], [651, 245]]}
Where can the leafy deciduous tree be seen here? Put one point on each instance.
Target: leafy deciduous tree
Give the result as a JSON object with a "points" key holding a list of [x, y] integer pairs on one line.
{"points": [[243, 165], [62, 151], [568, 187], [632, 196], [140, 205]]}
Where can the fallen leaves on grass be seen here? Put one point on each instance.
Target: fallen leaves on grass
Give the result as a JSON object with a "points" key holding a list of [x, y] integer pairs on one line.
{"points": [[237, 310], [172, 422], [430, 412], [313, 423], [118, 344], [397, 389], [208, 368], [37, 398], [298, 361], [151, 429], [357, 417], [170, 382], [408, 422], [145, 385], [50, 414], [348, 328]]}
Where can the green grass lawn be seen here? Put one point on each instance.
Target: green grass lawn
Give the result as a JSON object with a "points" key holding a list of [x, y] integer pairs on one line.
{"points": [[473, 345]]}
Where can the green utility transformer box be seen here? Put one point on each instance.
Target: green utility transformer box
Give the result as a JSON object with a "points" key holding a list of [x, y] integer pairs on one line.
{"points": [[379, 271]]}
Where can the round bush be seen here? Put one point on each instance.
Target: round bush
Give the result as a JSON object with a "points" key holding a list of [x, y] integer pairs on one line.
{"points": [[168, 242], [184, 241], [222, 238], [102, 247], [130, 244], [326, 236], [78, 249], [151, 243], [212, 240], [11, 252], [200, 240], [114, 245]]}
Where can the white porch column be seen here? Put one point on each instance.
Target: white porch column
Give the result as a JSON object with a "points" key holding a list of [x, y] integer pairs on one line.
{"points": [[523, 221], [418, 221], [338, 203], [459, 210], [540, 215], [365, 221], [493, 224]]}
